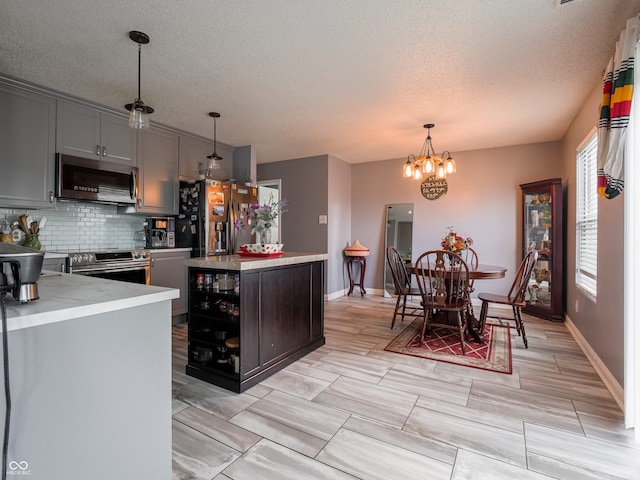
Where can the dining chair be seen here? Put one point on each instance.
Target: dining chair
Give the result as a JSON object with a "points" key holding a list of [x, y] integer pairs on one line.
{"points": [[402, 285], [443, 281], [471, 257], [515, 297]]}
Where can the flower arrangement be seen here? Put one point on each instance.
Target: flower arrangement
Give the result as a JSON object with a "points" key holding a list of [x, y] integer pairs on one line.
{"points": [[455, 243], [262, 217]]}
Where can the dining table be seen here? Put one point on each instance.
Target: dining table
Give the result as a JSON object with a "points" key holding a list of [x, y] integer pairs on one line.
{"points": [[480, 272]]}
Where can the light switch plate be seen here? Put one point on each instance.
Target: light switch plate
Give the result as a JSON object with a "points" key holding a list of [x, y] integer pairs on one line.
{"points": [[322, 219]]}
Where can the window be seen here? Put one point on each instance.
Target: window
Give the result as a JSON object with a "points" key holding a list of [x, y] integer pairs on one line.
{"points": [[587, 215]]}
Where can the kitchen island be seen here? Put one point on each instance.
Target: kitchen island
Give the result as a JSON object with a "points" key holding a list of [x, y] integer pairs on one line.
{"points": [[90, 372], [251, 316]]}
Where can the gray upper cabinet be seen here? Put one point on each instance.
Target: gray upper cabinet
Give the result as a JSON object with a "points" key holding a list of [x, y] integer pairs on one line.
{"points": [[27, 143], [91, 133], [158, 165], [192, 151]]}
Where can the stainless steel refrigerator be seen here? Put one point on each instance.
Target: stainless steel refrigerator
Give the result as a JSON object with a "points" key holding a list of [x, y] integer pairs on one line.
{"points": [[208, 212]]}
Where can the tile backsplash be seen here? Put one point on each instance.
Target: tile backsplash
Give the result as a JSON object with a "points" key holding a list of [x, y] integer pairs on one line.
{"points": [[80, 226]]}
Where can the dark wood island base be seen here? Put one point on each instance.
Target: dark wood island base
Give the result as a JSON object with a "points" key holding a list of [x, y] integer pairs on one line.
{"points": [[250, 317]]}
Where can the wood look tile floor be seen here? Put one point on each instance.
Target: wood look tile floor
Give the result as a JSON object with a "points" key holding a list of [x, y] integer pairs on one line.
{"points": [[350, 410]]}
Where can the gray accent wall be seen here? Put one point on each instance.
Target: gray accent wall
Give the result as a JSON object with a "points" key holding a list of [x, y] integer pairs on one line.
{"points": [[483, 201], [316, 186], [305, 186], [600, 320]]}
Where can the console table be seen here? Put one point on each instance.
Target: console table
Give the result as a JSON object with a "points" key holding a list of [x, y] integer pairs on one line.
{"points": [[362, 260]]}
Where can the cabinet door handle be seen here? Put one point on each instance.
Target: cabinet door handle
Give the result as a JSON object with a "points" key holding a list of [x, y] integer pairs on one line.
{"points": [[104, 151], [98, 150], [153, 262], [51, 196]]}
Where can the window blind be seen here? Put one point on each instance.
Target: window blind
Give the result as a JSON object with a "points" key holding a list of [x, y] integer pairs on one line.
{"points": [[587, 216]]}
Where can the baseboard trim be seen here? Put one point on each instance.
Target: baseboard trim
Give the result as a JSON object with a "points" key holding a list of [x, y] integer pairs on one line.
{"points": [[610, 382], [333, 295]]}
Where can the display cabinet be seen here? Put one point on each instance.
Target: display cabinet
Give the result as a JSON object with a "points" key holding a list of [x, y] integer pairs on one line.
{"points": [[214, 324], [542, 231]]}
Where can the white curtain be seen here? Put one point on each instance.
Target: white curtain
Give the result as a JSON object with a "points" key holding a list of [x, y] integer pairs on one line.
{"points": [[617, 94]]}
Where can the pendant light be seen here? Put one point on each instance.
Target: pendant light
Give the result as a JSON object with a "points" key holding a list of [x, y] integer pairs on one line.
{"points": [[427, 162], [139, 111], [214, 157]]}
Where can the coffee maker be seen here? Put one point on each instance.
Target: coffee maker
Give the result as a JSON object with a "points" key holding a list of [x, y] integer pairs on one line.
{"points": [[20, 269], [160, 232]]}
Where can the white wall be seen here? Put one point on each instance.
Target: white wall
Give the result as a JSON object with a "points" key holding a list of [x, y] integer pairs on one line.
{"points": [[339, 233]]}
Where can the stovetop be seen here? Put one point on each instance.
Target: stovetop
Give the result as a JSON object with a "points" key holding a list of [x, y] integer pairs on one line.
{"points": [[110, 257]]}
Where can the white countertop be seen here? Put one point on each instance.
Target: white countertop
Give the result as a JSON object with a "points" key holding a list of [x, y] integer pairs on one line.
{"points": [[241, 263], [65, 297]]}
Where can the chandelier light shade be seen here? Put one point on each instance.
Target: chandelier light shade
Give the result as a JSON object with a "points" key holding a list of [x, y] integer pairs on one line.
{"points": [[139, 116], [408, 169], [427, 162], [214, 157]]}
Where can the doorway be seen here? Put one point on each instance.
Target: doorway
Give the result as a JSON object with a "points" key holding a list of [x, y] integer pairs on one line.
{"points": [[269, 192]]}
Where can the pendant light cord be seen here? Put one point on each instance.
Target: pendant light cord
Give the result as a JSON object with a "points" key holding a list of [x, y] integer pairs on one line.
{"points": [[215, 142], [139, 65]]}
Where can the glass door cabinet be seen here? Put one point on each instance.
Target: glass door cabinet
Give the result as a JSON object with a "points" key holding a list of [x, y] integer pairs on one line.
{"points": [[542, 231]]}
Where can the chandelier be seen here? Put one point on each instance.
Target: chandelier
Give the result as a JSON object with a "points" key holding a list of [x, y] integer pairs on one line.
{"points": [[427, 162]]}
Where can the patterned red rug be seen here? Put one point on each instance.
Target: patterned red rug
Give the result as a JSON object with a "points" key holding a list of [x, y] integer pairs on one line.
{"points": [[444, 345]]}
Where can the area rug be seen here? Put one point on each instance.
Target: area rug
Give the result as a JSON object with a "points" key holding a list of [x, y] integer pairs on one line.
{"points": [[444, 345]]}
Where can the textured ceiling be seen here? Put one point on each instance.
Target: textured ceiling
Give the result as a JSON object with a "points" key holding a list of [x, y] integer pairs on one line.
{"points": [[353, 78]]}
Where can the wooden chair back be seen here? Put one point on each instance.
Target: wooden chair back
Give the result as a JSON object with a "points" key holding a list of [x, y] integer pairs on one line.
{"points": [[401, 278], [443, 280], [521, 281], [471, 257]]}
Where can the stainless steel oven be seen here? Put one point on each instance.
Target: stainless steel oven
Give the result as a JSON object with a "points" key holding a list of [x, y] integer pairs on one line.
{"points": [[127, 266]]}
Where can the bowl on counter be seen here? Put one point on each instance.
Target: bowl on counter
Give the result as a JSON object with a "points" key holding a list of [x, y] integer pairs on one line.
{"points": [[263, 248]]}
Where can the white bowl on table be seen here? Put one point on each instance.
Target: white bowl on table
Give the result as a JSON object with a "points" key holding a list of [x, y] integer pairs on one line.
{"points": [[264, 248]]}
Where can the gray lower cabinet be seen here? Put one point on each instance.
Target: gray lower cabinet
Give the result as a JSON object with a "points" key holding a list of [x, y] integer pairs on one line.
{"points": [[27, 143], [91, 133], [158, 165], [168, 270]]}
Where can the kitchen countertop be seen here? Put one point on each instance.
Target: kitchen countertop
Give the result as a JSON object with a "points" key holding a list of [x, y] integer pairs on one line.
{"points": [[241, 263], [65, 297]]}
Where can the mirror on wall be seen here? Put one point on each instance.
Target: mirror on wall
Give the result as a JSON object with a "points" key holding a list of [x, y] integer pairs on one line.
{"points": [[399, 232]]}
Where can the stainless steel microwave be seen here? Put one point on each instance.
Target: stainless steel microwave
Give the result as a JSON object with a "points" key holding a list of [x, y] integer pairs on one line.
{"points": [[95, 181]]}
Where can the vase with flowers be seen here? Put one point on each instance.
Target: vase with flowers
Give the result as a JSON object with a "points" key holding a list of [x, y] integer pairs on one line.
{"points": [[452, 242], [261, 219]]}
